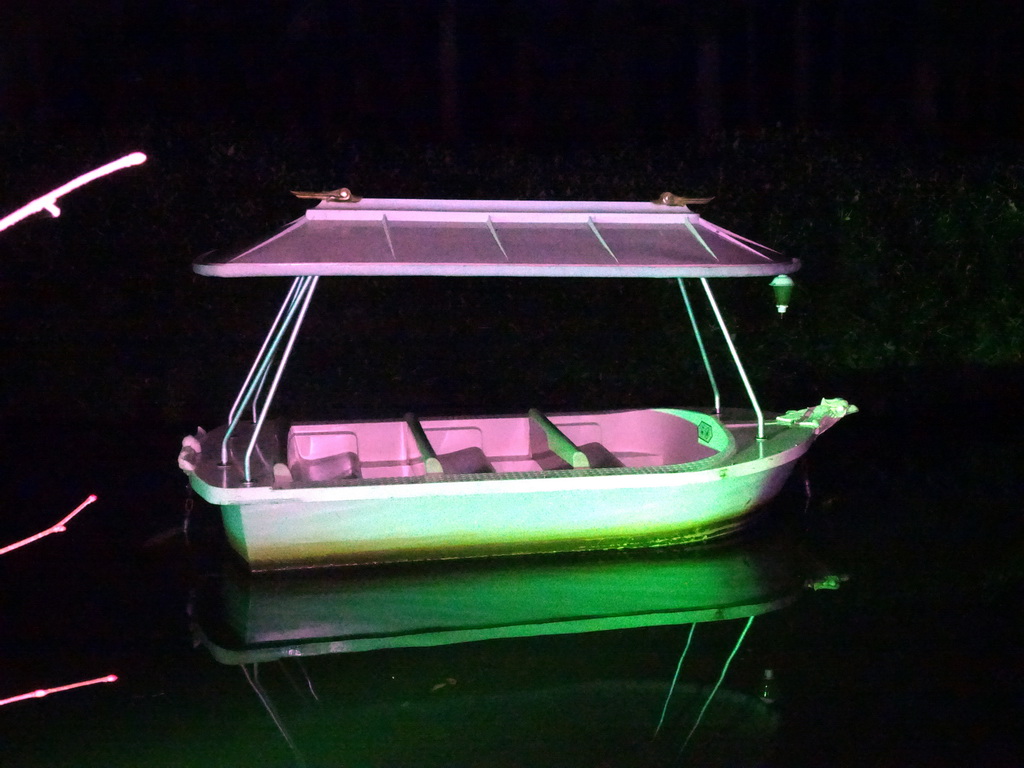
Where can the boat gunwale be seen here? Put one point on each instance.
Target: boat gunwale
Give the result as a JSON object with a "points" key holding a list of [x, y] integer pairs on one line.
{"points": [[744, 460]]}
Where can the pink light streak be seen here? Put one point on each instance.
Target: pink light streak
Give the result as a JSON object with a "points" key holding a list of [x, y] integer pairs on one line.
{"points": [[48, 202], [59, 527], [38, 694]]}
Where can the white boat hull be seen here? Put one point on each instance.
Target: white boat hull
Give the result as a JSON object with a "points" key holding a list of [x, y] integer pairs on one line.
{"points": [[295, 524], [512, 519]]}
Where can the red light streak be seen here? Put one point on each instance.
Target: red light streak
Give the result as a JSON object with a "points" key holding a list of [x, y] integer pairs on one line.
{"points": [[38, 694], [59, 527]]}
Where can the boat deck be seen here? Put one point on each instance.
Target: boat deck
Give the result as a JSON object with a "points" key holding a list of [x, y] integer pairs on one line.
{"points": [[310, 455]]}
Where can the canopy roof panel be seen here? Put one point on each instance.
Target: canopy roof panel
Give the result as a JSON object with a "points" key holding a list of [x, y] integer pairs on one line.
{"points": [[500, 238]]}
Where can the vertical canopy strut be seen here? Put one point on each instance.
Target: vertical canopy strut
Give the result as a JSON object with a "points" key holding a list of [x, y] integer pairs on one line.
{"points": [[732, 351], [244, 393], [289, 318], [700, 345]]}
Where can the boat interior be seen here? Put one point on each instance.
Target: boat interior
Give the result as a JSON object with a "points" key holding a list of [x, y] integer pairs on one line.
{"points": [[407, 448]]}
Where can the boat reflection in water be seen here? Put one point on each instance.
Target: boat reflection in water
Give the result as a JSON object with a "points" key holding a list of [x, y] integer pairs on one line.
{"points": [[284, 630]]}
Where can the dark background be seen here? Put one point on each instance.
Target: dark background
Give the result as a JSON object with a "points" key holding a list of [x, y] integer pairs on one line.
{"points": [[557, 71]]}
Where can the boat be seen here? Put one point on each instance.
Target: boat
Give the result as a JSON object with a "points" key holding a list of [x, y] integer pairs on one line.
{"points": [[301, 494]]}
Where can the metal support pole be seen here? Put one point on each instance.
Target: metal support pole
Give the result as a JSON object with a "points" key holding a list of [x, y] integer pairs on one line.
{"points": [[266, 342], [258, 372], [307, 297], [261, 379], [700, 345], [736, 358]]}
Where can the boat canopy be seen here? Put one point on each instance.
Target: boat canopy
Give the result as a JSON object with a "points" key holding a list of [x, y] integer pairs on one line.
{"points": [[508, 238]]}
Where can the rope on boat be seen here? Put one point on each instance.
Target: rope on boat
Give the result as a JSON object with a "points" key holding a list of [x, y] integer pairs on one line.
{"points": [[671, 688]]}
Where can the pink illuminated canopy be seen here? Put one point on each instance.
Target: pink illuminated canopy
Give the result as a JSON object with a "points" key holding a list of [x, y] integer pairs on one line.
{"points": [[500, 238]]}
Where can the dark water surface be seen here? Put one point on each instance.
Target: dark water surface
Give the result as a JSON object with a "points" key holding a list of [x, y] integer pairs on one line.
{"points": [[914, 661]]}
